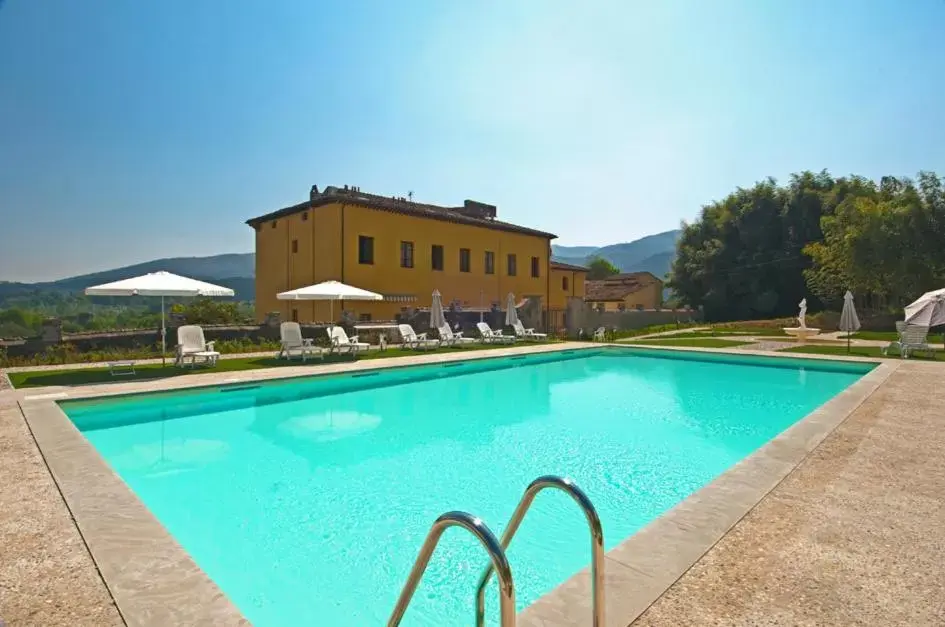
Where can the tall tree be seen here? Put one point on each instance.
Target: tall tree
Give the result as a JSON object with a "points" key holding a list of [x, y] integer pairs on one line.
{"points": [[742, 258], [600, 268]]}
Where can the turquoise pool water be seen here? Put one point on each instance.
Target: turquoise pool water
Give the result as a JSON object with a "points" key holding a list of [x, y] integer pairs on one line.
{"points": [[307, 500]]}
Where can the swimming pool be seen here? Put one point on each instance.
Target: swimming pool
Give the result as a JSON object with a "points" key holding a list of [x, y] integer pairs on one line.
{"points": [[307, 500]]}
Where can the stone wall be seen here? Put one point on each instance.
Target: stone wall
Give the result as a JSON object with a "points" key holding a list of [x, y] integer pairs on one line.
{"points": [[580, 316]]}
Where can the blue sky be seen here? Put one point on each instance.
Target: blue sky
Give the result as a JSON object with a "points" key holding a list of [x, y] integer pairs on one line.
{"points": [[136, 130]]}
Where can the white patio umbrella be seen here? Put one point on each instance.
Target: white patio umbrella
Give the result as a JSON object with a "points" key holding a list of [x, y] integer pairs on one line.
{"points": [[928, 310], [511, 314], [437, 319], [849, 321], [163, 284], [330, 291]]}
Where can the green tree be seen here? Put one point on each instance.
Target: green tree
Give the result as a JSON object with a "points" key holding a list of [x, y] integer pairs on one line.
{"points": [[209, 311], [742, 258], [885, 243], [600, 268]]}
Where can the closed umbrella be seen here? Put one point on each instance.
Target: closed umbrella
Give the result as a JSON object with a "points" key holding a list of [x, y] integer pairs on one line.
{"points": [[849, 322], [163, 284], [330, 291], [511, 314], [437, 318]]}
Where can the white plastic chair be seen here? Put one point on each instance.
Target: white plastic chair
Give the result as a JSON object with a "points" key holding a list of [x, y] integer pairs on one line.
{"points": [[528, 334], [912, 338], [191, 345], [493, 337], [449, 338], [412, 340], [341, 343], [293, 344]]}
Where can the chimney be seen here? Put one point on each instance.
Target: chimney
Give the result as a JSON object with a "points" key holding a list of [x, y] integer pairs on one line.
{"points": [[475, 209], [313, 194]]}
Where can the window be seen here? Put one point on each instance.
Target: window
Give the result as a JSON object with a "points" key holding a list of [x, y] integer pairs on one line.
{"points": [[512, 265], [406, 254], [273, 224], [490, 262], [295, 315], [365, 249], [365, 317], [535, 267], [564, 283], [295, 245], [464, 259], [304, 216], [436, 257]]}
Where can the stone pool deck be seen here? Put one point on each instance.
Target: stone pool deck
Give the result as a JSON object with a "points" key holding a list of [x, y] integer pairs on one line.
{"points": [[854, 534]]}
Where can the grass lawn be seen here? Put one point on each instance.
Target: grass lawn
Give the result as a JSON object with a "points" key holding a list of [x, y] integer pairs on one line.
{"points": [[696, 342], [858, 351], [84, 376]]}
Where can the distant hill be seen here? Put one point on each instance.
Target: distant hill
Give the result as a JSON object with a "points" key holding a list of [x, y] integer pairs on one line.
{"points": [[232, 265], [233, 270], [573, 252], [653, 253]]}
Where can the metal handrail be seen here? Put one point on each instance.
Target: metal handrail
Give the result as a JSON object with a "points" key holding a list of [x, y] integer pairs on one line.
{"points": [[496, 555], [597, 542]]}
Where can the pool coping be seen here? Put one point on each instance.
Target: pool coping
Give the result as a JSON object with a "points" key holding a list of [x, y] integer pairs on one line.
{"points": [[154, 581]]}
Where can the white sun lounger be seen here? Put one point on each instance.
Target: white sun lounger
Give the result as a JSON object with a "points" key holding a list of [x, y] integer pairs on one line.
{"points": [[449, 338], [528, 334], [912, 339], [191, 345], [341, 343], [493, 337], [294, 345], [412, 340]]}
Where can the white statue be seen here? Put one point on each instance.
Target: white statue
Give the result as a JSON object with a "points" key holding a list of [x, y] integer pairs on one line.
{"points": [[801, 317]]}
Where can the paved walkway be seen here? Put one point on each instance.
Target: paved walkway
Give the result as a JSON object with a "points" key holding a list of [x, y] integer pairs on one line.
{"points": [[854, 536], [47, 576]]}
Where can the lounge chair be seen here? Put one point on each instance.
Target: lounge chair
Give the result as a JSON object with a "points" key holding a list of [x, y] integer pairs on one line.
{"points": [[191, 345], [412, 340], [293, 344], [449, 338], [493, 337], [528, 334], [341, 343], [912, 338]]}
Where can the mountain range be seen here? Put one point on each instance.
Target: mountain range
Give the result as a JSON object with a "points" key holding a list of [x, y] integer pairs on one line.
{"points": [[653, 253], [233, 270]]}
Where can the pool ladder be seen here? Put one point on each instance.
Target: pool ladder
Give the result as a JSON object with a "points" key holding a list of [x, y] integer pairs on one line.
{"points": [[499, 564]]}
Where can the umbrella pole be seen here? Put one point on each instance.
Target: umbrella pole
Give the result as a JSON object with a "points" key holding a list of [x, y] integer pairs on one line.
{"points": [[163, 336]]}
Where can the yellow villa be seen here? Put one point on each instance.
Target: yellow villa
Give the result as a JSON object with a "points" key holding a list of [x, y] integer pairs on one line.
{"points": [[403, 250]]}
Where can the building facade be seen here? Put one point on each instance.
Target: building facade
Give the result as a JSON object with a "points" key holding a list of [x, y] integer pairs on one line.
{"points": [[633, 290], [398, 248], [567, 281]]}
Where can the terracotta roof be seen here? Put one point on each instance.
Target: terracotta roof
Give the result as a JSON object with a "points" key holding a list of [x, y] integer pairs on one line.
{"points": [[396, 205], [618, 287], [557, 265]]}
